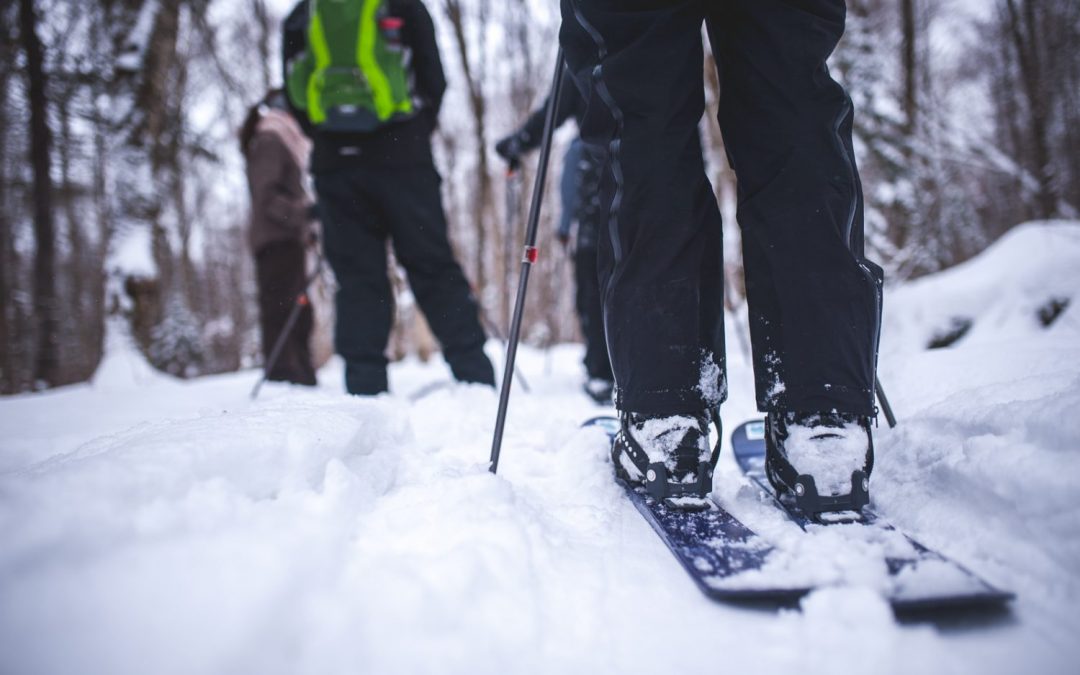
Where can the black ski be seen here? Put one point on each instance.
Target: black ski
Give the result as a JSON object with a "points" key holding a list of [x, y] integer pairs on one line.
{"points": [[711, 544], [921, 580]]}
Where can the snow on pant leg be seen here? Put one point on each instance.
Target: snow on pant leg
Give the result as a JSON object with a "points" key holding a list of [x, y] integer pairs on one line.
{"points": [[411, 200], [279, 268], [639, 66], [814, 300], [354, 240]]}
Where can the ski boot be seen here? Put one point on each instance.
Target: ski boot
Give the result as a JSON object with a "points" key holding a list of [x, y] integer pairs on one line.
{"points": [[669, 456], [821, 460]]}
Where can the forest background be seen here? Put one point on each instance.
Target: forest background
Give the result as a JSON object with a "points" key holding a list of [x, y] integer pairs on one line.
{"points": [[123, 202]]}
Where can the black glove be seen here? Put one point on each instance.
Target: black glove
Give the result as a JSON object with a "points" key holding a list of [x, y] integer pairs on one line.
{"points": [[510, 148]]}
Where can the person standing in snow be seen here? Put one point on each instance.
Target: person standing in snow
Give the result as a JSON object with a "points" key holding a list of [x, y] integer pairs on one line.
{"points": [[814, 299], [580, 202], [282, 226], [367, 82]]}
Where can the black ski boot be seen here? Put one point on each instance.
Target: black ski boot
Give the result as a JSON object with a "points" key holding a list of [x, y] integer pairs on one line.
{"points": [[811, 457], [669, 455]]}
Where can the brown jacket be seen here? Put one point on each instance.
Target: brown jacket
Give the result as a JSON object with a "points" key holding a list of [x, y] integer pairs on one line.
{"points": [[276, 167]]}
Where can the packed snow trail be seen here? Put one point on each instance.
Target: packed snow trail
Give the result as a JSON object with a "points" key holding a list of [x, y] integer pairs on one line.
{"points": [[151, 525]]}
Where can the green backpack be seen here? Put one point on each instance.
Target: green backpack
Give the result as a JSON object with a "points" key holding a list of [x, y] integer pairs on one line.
{"points": [[354, 75]]}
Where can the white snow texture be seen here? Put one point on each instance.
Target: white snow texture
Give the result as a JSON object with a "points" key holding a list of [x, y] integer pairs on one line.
{"points": [[149, 525]]}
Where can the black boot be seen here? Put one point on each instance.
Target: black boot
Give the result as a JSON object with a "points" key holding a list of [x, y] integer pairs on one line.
{"points": [[669, 455], [821, 460]]}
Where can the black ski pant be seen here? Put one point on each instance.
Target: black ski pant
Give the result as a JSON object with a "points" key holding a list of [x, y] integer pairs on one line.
{"points": [[590, 314], [280, 275], [590, 218], [814, 300], [361, 207]]}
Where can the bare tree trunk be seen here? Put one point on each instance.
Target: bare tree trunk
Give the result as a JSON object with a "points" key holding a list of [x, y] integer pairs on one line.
{"points": [[477, 105], [264, 27], [46, 359], [1023, 31], [911, 88], [155, 98], [8, 383], [76, 331]]}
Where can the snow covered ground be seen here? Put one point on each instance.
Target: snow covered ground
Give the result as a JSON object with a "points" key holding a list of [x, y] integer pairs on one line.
{"points": [[149, 525]]}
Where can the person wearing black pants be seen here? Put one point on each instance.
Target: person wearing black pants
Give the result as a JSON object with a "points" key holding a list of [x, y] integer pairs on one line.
{"points": [[581, 202], [360, 208], [814, 299], [280, 272], [382, 185], [587, 276], [281, 226]]}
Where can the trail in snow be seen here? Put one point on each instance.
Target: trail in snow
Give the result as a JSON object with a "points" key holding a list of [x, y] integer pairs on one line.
{"points": [[151, 525]]}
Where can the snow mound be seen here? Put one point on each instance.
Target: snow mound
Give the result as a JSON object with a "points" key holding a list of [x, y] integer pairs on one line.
{"points": [[169, 542], [1008, 291]]}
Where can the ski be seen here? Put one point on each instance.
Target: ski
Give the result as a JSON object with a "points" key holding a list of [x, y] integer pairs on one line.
{"points": [[713, 546], [921, 579]]}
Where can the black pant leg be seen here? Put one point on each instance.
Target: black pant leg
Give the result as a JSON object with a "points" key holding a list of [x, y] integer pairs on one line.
{"points": [[413, 204], [300, 339], [590, 314], [589, 307], [354, 241], [639, 65], [814, 300], [279, 268]]}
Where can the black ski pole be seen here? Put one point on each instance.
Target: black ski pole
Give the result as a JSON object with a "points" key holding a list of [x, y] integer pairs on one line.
{"points": [[528, 257], [885, 407], [302, 300]]}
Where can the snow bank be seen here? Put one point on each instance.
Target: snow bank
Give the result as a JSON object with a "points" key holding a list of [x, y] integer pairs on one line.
{"points": [[164, 526], [1000, 292]]}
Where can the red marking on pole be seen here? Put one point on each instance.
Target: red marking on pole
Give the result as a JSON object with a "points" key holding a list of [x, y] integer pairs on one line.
{"points": [[531, 254], [302, 300], [391, 23]]}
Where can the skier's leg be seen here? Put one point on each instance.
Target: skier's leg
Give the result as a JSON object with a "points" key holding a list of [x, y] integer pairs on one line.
{"points": [[590, 314], [297, 352], [639, 64], [411, 198], [814, 299], [354, 241], [275, 301], [586, 273], [280, 276], [301, 338]]}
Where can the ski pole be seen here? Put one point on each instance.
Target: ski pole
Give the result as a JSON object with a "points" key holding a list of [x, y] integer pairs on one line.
{"points": [[885, 407], [529, 256], [302, 300]]}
